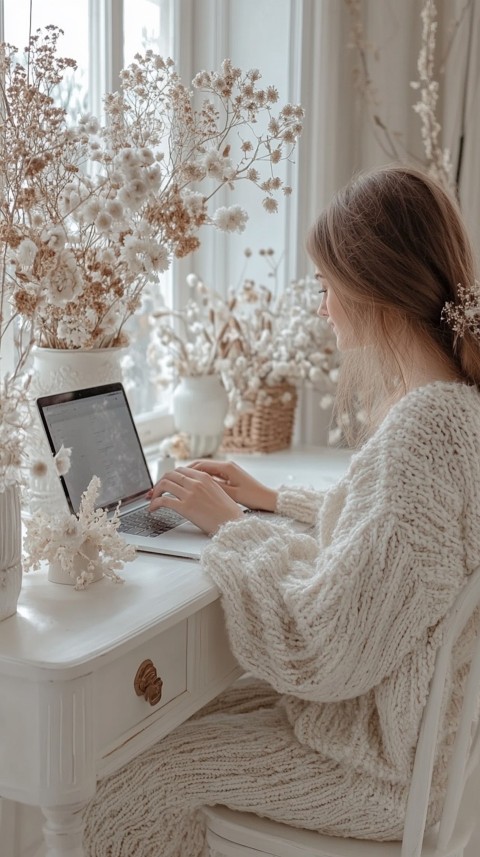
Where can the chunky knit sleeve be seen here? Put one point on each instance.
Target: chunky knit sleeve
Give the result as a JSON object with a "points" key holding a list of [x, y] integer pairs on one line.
{"points": [[323, 626], [329, 618], [300, 504]]}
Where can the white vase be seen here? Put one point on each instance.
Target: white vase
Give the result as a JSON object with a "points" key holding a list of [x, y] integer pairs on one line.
{"points": [[10, 551], [59, 370], [200, 405], [81, 561]]}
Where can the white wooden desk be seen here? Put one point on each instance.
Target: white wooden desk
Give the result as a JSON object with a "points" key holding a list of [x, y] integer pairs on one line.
{"points": [[69, 711]]}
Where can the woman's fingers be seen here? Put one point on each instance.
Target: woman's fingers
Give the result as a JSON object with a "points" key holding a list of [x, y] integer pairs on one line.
{"points": [[221, 473], [184, 477], [237, 483], [219, 469], [166, 501], [195, 495], [174, 482], [194, 485]]}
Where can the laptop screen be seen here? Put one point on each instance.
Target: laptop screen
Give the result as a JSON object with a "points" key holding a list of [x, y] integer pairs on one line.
{"points": [[97, 425]]}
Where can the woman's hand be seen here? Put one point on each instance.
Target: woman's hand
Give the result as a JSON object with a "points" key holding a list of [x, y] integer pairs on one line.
{"points": [[238, 484], [196, 496]]}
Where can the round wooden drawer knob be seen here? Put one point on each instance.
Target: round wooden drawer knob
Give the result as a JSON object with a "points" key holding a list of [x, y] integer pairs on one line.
{"points": [[147, 683]]}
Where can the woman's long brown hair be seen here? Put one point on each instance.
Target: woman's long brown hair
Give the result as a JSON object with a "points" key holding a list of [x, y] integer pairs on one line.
{"points": [[394, 247]]}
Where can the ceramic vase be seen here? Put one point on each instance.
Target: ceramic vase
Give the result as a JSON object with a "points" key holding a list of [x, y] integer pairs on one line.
{"points": [[10, 551], [58, 370], [200, 405], [87, 554]]}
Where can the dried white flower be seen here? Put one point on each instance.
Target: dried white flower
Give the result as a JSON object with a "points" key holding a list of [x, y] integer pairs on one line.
{"points": [[27, 250], [216, 166], [334, 436], [231, 219], [104, 221], [192, 281], [62, 460], [270, 204], [159, 258], [146, 156], [54, 237], [115, 209], [326, 401], [65, 537]]}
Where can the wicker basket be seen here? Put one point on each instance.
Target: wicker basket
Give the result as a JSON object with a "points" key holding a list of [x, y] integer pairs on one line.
{"points": [[268, 428]]}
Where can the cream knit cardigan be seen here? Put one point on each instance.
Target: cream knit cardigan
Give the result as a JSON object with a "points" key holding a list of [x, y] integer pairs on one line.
{"points": [[343, 625]]}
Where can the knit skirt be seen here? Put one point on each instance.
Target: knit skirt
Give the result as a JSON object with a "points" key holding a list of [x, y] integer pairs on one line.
{"points": [[240, 751]]}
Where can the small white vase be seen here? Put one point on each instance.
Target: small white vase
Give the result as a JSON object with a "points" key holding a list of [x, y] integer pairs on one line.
{"points": [[200, 405], [10, 551], [59, 370], [81, 561]]}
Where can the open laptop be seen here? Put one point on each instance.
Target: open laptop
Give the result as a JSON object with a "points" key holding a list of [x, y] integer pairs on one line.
{"points": [[97, 425]]}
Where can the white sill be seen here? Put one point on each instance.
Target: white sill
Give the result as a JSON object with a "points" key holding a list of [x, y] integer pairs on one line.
{"points": [[152, 427]]}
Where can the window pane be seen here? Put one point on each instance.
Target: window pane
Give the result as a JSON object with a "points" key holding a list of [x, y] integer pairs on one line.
{"points": [[146, 26], [72, 18]]}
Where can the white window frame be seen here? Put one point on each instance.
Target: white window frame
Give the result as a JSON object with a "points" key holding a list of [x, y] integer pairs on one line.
{"points": [[105, 49]]}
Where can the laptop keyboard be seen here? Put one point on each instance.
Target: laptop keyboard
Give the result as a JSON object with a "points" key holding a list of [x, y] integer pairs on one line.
{"points": [[145, 523]]}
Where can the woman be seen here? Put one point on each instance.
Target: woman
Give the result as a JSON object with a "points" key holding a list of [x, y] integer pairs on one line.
{"points": [[339, 630]]}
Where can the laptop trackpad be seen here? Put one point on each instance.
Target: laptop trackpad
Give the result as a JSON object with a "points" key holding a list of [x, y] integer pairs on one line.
{"points": [[186, 540]]}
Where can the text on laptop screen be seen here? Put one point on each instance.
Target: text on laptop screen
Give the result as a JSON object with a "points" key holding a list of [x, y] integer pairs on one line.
{"points": [[99, 429]]}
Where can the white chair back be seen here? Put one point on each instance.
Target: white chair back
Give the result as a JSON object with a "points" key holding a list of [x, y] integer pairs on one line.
{"points": [[466, 745]]}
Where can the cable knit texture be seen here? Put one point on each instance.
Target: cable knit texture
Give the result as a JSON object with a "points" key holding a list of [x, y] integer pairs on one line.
{"points": [[340, 631]]}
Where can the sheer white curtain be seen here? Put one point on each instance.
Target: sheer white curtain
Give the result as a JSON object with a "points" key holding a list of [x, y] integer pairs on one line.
{"points": [[462, 110], [342, 135]]}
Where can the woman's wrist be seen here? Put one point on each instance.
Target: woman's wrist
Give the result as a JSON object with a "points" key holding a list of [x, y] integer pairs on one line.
{"points": [[270, 500]]}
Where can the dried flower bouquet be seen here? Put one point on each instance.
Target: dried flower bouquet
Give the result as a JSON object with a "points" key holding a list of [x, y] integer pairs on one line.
{"points": [[92, 215], [256, 341]]}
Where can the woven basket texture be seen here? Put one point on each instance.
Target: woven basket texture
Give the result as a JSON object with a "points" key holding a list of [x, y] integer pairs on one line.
{"points": [[268, 428]]}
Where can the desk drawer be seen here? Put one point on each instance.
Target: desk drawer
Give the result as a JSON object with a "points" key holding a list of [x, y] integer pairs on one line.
{"points": [[117, 705]]}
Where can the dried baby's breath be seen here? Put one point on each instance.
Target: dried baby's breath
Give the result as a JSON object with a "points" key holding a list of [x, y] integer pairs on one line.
{"points": [[92, 215], [464, 314]]}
